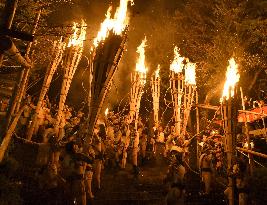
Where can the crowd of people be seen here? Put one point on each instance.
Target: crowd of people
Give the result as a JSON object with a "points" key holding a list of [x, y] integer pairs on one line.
{"points": [[80, 157]]}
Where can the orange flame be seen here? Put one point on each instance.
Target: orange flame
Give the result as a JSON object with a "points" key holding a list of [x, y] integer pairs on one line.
{"points": [[157, 72], [177, 63], [116, 24], [190, 74], [232, 77], [106, 112], [140, 65], [78, 36]]}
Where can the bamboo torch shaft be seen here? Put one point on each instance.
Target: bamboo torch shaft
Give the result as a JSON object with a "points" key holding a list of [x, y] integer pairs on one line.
{"points": [[250, 156]]}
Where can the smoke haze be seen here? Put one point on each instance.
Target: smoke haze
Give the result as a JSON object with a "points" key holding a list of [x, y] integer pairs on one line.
{"points": [[151, 18]]}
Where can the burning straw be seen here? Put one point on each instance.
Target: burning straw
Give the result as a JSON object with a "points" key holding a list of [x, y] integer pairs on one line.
{"points": [[229, 115], [105, 57], [183, 88], [138, 78], [72, 59], [155, 86]]}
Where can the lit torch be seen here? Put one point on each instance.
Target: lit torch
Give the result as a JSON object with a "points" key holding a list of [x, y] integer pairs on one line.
{"points": [[71, 61], [189, 91], [116, 24], [138, 79], [232, 78], [106, 112], [177, 86], [229, 111], [57, 53], [108, 47], [155, 86], [138, 82]]}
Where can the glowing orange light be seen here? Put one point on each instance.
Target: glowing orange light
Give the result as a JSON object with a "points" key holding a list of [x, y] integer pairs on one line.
{"points": [[190, 73], [78, 36], [157, 72], [140, 64], [177, 63], [116, 24], [232, 77], [106, 112]]}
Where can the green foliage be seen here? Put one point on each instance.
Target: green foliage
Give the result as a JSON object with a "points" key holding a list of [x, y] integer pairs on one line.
{"points": [[210, 32], [46, 33]]}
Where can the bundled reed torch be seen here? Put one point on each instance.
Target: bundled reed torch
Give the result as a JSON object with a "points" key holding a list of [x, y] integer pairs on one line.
{"points": [[183, 88], [189, 92], [155, 86], [138, 79], [106, 53], [57, 53], [72, 58], [229, 114], [177, 87]]}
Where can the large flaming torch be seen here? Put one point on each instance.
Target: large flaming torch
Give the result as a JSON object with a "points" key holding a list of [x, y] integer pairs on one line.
{"points": [[105, 57], [189, 91], [138, 79], [229, 115], [73, 56], [177, 86], [155, 86], [57, 53]]}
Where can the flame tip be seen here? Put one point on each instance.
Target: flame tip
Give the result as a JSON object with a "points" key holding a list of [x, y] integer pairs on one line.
{"points": [[232, 78], [190, 73], [177, 63], [78, 39], [118, 23]]}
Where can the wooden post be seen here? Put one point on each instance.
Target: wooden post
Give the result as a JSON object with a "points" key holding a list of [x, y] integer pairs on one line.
{"points": [[229, 112], [226, 111], [250, 156]]}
